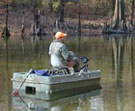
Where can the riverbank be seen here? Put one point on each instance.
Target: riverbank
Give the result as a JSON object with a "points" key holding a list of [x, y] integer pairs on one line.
{"points": [[92, 26], [70, 26]]}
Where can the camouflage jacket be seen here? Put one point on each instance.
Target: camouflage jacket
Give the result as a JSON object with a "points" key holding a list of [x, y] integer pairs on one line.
{"points": [[59, 54]]}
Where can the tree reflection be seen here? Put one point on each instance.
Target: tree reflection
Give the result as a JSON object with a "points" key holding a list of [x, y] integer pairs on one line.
{"points": [[118, 44], [122, 54], [79, 44], [22, 41], [119, 51], [5, 40], [119, 58], [7, 76], [131, 60], [35, 40]]}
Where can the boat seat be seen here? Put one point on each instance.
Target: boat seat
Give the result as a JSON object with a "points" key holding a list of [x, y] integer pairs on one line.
{"points": [[59, 71]]}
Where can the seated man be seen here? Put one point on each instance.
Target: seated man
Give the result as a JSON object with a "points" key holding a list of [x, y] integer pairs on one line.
{"points": [[60, 56]]}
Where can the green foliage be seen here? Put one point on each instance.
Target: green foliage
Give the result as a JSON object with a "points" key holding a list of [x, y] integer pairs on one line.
{"points": [[128, 5], [69, 3], [36, 3], [97, 3], [44, 2], [55, 4]]}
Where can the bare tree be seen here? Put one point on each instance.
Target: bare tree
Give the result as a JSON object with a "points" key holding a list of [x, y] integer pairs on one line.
{"points": [[132, 13], [62, 3], [5, 32], [119, 14]]}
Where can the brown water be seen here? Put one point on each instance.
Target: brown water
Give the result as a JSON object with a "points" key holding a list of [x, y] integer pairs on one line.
{"points": [[113, 55]]}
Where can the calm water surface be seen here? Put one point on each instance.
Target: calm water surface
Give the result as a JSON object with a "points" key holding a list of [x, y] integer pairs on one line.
{"points": [[113, 55]]}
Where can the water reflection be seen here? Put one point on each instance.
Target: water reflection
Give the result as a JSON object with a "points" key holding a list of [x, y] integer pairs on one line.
{"points": [[122, 53], [122, 61], [114, 56], [22, 42], [81, 102], [118, 58], [35, 41], [7, 75], [79, 45], [131, 52], [119, 45], [5, 41]]}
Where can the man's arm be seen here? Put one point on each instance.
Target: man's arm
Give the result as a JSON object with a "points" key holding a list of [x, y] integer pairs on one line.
{"points": [[64, 52], [67, 55]]}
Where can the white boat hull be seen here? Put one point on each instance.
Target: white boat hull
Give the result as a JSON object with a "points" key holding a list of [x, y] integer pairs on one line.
{"points": [[35, 84]]}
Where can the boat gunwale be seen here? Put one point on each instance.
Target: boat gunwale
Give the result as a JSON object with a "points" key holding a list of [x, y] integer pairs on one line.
{"points": [[51, 82], [60, 82], [76, 73]]}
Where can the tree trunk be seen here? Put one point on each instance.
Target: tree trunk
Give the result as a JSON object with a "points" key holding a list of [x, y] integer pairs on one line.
{"points": [[79, 24], [48, 5], [119, 14], [36, 27], [23, 17], [5, 32], [113, 7], [132, 13], [47, 10], [122, 10], [116, 15], [62, 3]]}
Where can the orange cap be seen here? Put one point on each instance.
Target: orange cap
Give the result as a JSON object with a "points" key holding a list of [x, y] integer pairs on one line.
{"points": [[60, 35]]}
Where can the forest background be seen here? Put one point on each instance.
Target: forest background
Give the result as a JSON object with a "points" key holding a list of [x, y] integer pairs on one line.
{"points": [[72, 16]]}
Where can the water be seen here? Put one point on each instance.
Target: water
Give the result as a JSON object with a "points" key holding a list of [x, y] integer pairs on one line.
{"points": [[113, 55]]}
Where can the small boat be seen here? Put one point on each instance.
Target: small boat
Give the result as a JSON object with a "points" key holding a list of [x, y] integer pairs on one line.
{"points": [[50, 81]]}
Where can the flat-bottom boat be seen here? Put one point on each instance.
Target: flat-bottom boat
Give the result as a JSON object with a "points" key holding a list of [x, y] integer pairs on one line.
{"points": [[50, 81], [48, 84]]}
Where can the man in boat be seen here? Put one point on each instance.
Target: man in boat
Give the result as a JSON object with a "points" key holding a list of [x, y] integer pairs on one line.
{"points": [[60, 56]]}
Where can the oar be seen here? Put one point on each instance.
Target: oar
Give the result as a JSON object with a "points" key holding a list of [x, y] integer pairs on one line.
{"points": [[16, 92]]}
